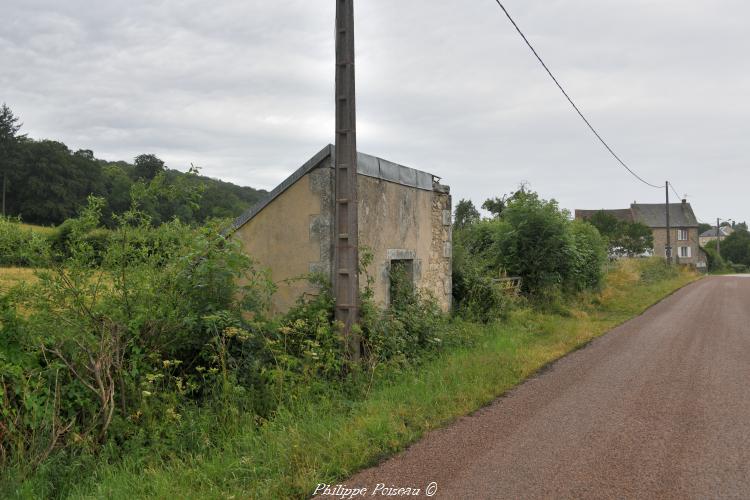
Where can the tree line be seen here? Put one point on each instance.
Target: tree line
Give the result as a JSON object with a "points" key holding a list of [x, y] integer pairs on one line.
{"points": [[45, 182]]}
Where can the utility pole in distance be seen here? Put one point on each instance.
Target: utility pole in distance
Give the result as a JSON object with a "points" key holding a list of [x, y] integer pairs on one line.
{"points": [[718, 237], [346, 254], [669, 237]]}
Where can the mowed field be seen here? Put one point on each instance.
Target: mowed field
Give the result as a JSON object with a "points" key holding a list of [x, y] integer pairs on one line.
{"points": [[38, 229], [11, 276]]}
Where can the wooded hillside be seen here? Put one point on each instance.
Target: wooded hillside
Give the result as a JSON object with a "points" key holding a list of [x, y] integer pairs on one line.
{"points": [[46, 182]]}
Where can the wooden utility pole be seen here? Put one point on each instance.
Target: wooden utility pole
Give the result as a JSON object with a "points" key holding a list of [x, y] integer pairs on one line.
{"points": [[346, 255], [669, 237], [718, 237]]}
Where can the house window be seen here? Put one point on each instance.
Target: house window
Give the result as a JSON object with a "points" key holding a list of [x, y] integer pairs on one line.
{"points": [[682, 235], [685, 252], [401, 277]]}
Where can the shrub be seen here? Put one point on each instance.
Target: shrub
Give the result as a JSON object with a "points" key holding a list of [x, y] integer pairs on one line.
{"points": [[118, 351], [739, 268], [716, 262], [655, 269], [18, 244], [588, 254], [406, 329], [531, 238]]}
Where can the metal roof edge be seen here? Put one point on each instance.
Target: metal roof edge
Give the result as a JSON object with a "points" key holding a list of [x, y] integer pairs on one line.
{"points": [[367, 165]]}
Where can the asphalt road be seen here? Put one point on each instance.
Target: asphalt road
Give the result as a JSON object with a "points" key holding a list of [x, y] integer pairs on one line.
{"points": [[657, 408]]}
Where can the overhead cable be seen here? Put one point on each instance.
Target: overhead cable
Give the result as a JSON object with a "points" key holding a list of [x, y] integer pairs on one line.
{"points": [[559, 86]]}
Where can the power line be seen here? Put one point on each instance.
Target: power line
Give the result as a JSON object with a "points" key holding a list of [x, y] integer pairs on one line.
{"points": [[675, 191], [507, 14]]}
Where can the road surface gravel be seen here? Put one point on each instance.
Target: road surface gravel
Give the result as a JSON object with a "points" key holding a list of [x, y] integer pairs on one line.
{"points": [[657, 408]]}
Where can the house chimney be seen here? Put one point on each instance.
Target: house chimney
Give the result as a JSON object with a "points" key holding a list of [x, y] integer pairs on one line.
{"points": [[684, 201]]}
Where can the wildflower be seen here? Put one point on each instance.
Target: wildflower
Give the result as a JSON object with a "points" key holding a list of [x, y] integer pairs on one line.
{"points": [[173, 415], [146, 393], [231, 331]]}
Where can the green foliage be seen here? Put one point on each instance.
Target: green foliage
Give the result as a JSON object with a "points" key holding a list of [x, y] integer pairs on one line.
{"points": [[112, 345], [147, 166], [19, 245], [48, 183], [716, 263], [587, 257], [495, 206], [409, 327], [476, 294], [533, 239], [656, 269], [327, 437], [624, 238], [735, 248], [465, 214]]}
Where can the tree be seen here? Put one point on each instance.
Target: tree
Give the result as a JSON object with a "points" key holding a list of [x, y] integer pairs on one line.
{"points": [[9, 127], [623, 237], [636, 239], [465, 214], [703, 227], [495, 205], [736, 247], [148, 166], [608, 225]]}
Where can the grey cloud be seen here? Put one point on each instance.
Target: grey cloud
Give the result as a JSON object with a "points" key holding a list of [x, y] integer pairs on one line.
{"points": [[244, 89]]}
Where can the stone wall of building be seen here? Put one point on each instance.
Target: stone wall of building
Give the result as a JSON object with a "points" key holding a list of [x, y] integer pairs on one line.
{"points": [[437, 278], [294, 235], [398, 222], [660, 242]]}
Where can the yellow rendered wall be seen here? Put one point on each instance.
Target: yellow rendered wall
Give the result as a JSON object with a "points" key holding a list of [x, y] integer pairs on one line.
{"points": [[278, 238]]}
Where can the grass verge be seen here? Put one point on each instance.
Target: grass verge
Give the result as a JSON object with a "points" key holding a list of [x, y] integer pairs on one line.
{"points": [[327, 438]]}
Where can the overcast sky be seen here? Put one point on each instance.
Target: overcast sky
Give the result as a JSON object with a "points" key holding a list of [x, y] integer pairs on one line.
{"points": [[244, 89]]}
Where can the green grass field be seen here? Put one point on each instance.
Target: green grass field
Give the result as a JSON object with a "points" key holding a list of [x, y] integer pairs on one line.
{"points": [[326, 439], [38, 229]]}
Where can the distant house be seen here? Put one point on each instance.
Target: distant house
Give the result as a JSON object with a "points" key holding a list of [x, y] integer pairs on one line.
{"points": [[711, 235], [683, 228], [404, 220]]}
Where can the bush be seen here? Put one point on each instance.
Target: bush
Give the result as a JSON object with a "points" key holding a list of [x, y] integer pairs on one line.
{"points": [[655, 269], [531, 238], [588, 254], [738, 268], [18, 245], [409, 327], [61, 240], [117, 352], [716, 262]]}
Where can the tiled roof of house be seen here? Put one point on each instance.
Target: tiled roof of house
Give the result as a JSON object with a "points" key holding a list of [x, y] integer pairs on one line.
{"points": [[654, 214], [651, 214], [711, 233], [621, 213]]}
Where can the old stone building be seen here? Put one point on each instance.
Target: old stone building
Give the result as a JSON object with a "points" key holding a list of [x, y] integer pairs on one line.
{"points": [[404, 219], [713, 234], [683, 228]]}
